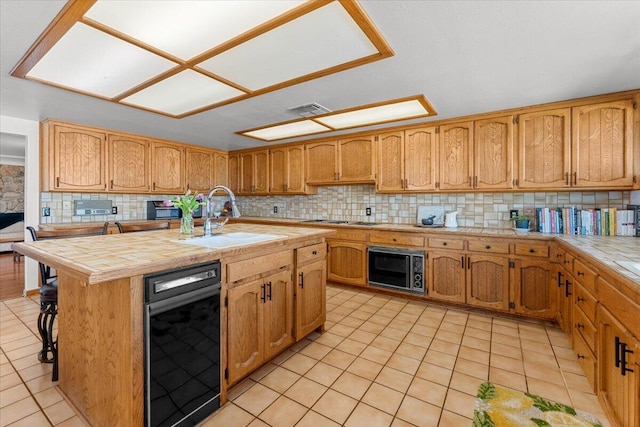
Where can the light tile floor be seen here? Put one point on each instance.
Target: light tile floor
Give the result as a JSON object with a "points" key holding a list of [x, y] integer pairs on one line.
{"points": [[383, 361]]}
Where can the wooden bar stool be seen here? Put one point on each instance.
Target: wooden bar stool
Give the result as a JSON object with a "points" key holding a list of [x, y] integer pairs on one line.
{"points": [[49, 292]]}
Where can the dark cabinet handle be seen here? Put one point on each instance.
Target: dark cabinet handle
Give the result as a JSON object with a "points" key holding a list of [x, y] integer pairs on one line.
{"points": [[566, 177], [394, 240], [314, 253], [112, 184], [580, 356], [462, 258], [263, 298], [579, 326], [621, 352], [566, 289], [580, 273], [532, 251], [270, 290], [301, 280], [579, 299], [560, 279], [488, 247], [444, 244]]}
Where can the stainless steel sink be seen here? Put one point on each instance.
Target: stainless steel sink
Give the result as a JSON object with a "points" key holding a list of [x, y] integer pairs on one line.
{"points": [[230, 239]]}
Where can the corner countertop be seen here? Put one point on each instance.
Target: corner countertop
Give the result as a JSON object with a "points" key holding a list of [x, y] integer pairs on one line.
{"points": [[98, 259]]}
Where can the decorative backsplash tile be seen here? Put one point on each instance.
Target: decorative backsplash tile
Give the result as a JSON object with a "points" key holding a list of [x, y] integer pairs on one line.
{"points": [[349, 203]]}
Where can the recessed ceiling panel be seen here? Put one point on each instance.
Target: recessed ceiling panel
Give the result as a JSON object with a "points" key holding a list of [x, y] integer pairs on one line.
{"points": [[186, 29], [381, 114], [305, 127], [181, 93], [91, 61], [319, 40]]}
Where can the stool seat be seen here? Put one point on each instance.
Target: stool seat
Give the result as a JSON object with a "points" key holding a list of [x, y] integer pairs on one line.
{"points": [[49, 292]]}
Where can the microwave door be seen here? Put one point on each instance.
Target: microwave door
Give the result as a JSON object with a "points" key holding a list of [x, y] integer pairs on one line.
{"points": [[390, 269]]}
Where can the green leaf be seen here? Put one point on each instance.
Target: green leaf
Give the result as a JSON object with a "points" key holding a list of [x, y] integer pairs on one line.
{"points": [[486, 391], [546, 405], [541, 423], [482, 419]]}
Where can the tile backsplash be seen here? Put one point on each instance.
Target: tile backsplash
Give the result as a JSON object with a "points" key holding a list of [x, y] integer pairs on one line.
{"points": [[349, 203]]}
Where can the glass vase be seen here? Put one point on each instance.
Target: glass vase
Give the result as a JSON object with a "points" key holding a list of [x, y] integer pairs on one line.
{"points": [[186, 224]]}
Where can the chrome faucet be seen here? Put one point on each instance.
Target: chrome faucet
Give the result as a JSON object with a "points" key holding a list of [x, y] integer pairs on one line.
{"points": [[234, 209]]}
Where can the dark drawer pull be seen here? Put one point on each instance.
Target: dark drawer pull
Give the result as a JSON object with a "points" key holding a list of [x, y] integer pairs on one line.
{"points": [[444, 244], [532, 251], [579, 299], [580, 273], [488, 247], [314, 253], [580, 356], [579, 326]]}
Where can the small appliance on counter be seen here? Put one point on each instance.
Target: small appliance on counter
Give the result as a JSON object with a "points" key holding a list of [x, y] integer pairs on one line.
{"points": [[157, 210]]}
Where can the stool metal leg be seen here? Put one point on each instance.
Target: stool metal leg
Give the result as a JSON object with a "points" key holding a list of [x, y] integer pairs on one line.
{"points": [[53, 344], [43, 318]]}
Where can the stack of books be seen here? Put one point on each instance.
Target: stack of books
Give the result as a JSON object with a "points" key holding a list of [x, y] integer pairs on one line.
{"points": [[586, 222]]}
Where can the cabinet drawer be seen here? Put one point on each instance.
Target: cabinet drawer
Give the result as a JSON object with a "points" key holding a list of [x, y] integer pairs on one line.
{"points": [[311, 253], [356, 235], [488, 246], [446, 244], [583, 326], [396, 239], [586, 302], [532, 249], [586, 359], [585, 275], [255, 266]]}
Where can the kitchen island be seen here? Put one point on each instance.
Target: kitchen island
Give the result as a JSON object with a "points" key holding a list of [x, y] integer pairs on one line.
{"points": [[101, 298]]}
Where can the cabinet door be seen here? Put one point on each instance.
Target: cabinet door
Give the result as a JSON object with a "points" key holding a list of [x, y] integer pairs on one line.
{"points": [[456, 156], [128, 164], [310, 298], [245, 329], [221, 171], [199, 169], [355, 160], [493, 146], [420, 165], [447, 280], [234, 173], [261, 172], [278, 169], [488, 281], [167, 168], [391, 164], [346, 262], [618, 353], [78, 159], [295, 171], [246, 162], [278, 312], [322, 163], [602, 150], [544, 146], [534, 285]]}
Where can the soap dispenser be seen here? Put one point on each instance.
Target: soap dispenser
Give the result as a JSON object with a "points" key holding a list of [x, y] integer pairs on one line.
{"points": [[450, 220]]}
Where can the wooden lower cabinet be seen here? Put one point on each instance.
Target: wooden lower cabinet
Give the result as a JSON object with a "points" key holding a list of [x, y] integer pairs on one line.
{"points": [[310, 298], [260, 322], [534, 288], [565, 284], [347, 262], [488, 281], [447, 276], [619, 371]]}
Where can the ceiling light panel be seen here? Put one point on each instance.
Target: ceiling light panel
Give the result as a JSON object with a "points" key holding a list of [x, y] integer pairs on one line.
{"points": [[381, 114], [186, 29], [287, 130], [181, 93], [91, 61], [319, 40]]}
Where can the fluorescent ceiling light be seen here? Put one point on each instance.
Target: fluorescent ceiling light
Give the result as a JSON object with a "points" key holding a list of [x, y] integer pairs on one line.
{"points": [[133, 52], [287, 130], [366, 115]]}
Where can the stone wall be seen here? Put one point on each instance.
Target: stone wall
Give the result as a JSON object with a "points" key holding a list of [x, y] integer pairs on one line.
{"points": [[11, 188]]}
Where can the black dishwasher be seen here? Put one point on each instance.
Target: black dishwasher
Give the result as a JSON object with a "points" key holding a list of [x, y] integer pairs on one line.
{"points": [[182, 345]]}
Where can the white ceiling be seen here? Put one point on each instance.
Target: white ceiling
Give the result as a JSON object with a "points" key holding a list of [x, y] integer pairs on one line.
{"points": [[466, 57]]}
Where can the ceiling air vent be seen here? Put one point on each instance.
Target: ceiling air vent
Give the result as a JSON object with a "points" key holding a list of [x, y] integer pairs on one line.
{"points": [[308, 110]]}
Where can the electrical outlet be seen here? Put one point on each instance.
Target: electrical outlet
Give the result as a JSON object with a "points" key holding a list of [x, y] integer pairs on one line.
{"points": [[367, 211], [46, 211], [275, 209], [513, 213], [114, 210]]}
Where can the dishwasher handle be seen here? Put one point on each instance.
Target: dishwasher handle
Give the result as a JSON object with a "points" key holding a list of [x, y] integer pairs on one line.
{"points": [[165, 285]]}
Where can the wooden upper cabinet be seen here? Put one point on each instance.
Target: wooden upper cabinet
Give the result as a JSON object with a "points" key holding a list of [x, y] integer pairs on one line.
{"points": [[287, 170], [355, 160], [128, 164], [73, 158], [322, 162], [391, 165], [602, 148], [199, 170], [233, 180], [456, 156], [220, 169], [493, 159], [420, 159], [544, 146], [167, 168], [254, 172]]}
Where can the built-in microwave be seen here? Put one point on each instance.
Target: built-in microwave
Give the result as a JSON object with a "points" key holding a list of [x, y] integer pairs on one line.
{"points": [[156, 209], [396, 268]]}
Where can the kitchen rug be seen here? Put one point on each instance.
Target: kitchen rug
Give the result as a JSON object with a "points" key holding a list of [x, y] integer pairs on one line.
{"points": [[498, 406]]}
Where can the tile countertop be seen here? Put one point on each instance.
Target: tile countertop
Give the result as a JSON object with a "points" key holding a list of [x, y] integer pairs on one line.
{"points": [[98, 259]]}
